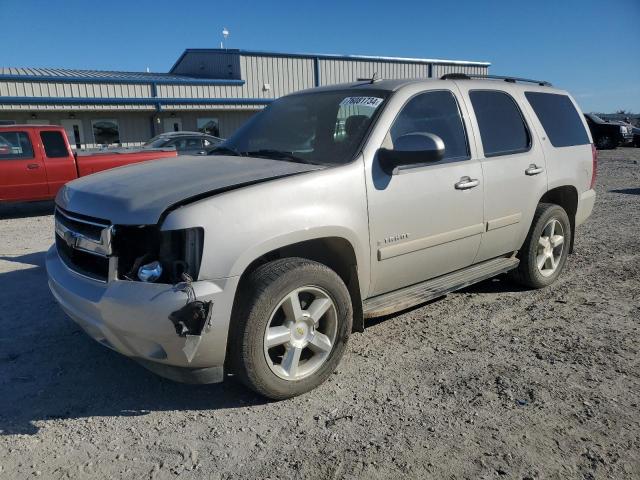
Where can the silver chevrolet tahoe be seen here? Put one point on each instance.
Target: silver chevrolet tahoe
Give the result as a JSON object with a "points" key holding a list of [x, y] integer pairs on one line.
{"points": [[329, 206]]}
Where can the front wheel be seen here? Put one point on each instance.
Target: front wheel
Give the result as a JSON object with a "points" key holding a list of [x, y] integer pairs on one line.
{"points": [[290, 327], [546, 247]]}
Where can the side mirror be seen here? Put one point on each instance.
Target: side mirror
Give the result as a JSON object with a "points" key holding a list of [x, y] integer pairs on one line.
{"points": [[410, 149]]}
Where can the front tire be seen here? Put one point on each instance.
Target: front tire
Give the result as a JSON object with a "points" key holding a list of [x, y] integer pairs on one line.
{"points": [[290, 327], [546, 247]]}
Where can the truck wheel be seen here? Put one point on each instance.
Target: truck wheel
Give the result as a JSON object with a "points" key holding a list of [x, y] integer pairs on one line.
{"points": [[604, 142], [290, 326], [546, 247]]}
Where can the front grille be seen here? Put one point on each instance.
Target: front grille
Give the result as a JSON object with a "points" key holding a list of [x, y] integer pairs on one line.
{"points": [[83, 244], [82, 225], [84, 263]]}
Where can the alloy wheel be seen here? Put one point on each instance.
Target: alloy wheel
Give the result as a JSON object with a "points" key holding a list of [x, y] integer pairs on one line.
{"points": [[300, 333], [550, 247]]}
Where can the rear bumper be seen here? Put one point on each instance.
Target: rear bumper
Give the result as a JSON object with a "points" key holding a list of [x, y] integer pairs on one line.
{"points": [[132, 319], [585, 206]]}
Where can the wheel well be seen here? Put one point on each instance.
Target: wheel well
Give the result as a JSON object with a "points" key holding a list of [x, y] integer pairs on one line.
{"points": [[334, 252], [567, 197]]}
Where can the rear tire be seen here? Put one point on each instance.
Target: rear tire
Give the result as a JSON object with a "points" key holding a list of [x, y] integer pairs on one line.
{"points": [[605, 142], [545, 250], [290, 325]]}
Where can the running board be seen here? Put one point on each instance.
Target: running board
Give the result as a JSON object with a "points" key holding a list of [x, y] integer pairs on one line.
{"points": [[423, 292]]}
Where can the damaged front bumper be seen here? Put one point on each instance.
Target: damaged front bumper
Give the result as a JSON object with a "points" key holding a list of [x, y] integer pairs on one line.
{"points": [[138, 320]]}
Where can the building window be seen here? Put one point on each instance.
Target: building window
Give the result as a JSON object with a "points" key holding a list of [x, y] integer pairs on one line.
{"points": [[210, 126], [7, 122], [105, 132]]}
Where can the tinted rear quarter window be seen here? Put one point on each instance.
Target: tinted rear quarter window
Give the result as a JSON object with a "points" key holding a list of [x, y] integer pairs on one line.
{"points": [[502, 128], [559, 118], [54, 145]]}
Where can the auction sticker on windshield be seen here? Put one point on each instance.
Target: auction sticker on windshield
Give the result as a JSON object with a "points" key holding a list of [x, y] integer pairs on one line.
{"points": [[362, 101]]}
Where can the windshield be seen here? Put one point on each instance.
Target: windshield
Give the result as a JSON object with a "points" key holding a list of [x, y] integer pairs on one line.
{"points": [[323, 128], [156, 142]]}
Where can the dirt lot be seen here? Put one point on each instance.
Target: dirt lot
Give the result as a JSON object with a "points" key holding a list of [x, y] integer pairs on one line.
{"points": [[493, 381]]}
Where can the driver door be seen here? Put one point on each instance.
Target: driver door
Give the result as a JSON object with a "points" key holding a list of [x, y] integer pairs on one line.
{"points": [[427, 219]]}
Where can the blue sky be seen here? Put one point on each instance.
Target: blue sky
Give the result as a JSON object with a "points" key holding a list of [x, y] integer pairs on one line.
{"points": [[590, 47]]}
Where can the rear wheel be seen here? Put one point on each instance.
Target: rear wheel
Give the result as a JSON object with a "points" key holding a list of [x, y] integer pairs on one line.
{"points": [[546, 247], [290, 327], [605, 142]]}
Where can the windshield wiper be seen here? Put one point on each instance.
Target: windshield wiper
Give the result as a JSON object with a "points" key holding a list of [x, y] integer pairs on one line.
{"points": [[223, 149], [277, 154]]}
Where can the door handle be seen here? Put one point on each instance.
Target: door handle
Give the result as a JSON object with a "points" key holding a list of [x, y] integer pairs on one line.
{"points": [[32, 166], [533, 170], [466, 183]]}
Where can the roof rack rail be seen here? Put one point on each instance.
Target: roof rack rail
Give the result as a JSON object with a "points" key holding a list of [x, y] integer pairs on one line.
{"points": [[468, 76]]}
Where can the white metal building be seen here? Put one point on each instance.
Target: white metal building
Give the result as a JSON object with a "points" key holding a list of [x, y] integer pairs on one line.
{"points": [[206, 89]]}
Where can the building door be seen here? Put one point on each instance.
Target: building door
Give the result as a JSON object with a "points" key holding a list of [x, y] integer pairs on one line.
{"points": [[75, 132], [172, 125]]}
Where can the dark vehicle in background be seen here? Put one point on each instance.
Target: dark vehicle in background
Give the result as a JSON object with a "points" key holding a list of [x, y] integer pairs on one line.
{"points": [[605, 134], [186, 143], [636, 136]]}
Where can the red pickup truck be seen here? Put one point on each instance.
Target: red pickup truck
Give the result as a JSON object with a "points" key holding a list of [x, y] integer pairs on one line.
{"points": [[36, 160]]}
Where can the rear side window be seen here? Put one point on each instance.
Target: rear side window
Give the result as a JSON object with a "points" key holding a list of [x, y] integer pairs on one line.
{"points": [[14, 145], [559, 118], [54, 145], [502, 127], [434, 112]]}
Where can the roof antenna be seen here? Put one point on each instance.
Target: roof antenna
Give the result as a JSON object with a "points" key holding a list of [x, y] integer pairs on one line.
{"points": [[374, 78]]}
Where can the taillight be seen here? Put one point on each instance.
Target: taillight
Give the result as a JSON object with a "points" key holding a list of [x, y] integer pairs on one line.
{"points": [[594, 165]]}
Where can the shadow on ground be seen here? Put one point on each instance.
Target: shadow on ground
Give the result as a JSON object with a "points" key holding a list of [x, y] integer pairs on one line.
{"points": [[49, 369], [26, 209], [628, 191]]}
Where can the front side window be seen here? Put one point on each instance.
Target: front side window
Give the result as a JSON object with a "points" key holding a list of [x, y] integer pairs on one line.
{"points": [[437, 113], [54, 144], [14, 145], [502, 128], [324, 128], [106, 132], [559, 118]]}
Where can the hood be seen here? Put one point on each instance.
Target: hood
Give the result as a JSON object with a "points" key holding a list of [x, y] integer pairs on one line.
{"points": [[138, 194]]}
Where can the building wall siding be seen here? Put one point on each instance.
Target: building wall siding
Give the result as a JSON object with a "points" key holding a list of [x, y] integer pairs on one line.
{"points": [[442, 69], [74, 90], [342, 71]]}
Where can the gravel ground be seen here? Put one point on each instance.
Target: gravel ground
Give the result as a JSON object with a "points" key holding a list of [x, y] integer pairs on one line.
{"points": [[490, 382]]}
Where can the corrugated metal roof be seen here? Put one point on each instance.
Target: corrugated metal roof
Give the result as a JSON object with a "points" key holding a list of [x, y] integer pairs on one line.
{"points": [[328, 56], [101, 76]]}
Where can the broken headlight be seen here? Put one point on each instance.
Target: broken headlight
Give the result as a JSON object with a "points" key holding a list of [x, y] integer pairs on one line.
{"points": [[175, 251]]}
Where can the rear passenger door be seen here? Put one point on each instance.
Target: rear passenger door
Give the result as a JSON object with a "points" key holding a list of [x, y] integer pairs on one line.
{"points": [[513, 167], [425, 220]]}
